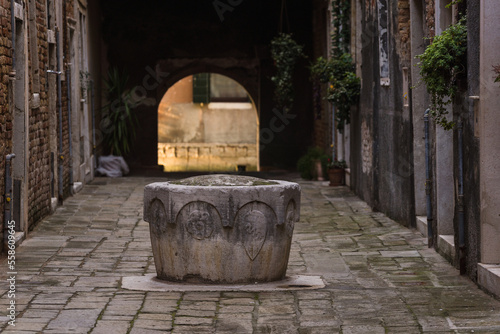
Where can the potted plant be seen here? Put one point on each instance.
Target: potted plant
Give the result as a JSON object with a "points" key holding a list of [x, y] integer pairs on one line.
{"points": [[313, 164], [119, 117], [336, 172], [118, 125]]}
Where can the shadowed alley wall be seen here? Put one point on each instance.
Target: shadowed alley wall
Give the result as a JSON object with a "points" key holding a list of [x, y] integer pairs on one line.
{"points": [[382, 146]]}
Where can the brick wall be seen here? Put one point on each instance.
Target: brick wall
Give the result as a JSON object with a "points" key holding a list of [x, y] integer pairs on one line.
{"points": [[321, 108], [64, 99], [403, 30], [39, 153], [429, 17]]}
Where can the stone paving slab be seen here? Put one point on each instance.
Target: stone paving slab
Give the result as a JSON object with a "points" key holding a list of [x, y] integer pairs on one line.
{"points": [[379, 276]]}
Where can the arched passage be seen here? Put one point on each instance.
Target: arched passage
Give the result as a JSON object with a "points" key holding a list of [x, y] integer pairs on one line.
{"points": [[207, 122]]}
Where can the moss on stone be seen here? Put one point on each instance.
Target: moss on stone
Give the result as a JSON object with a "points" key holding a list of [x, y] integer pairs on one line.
{"points": [[223, 180]]}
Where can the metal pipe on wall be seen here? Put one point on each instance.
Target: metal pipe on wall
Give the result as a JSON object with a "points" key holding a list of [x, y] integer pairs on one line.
{"points": [[59, 107], [428, 180], [334, 129], [68, 83], [8, 197], [92, 106], [13, 28], [460, 202]]}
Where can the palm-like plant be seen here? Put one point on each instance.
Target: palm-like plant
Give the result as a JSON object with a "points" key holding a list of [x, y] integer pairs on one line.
{"points": [[119, 117]]}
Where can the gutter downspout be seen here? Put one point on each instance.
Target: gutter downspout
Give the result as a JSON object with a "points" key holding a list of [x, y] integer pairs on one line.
{"points": [[334, 129], [13, 29], [68, 78], [92, 107], [59, 107], [8, 199], [460, 202], [428, 181], [12, 74]]}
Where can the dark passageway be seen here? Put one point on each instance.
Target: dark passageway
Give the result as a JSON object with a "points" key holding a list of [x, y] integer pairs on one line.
{"points": [[174, 39]]}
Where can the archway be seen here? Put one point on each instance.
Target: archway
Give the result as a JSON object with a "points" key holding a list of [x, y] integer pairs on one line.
{"points": [[207, 122]]}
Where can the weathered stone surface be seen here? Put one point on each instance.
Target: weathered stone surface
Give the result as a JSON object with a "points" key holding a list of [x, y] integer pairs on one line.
{"points": [[221, 228]]}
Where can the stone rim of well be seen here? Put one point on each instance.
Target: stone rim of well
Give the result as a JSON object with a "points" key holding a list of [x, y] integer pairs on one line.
{"points": [[225, 180]]}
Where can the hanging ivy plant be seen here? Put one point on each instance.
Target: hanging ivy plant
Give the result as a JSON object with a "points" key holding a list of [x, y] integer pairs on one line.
{"points": [[344, 86], [440, 65], [285, 53], [341, 36], [339, 71]]}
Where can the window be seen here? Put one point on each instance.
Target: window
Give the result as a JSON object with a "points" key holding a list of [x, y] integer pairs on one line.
{"points": [[212, 87]]}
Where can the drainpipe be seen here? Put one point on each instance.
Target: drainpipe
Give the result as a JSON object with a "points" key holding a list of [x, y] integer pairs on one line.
{"points": [[13, 29], [8, 197], [12, 74], [59, 107], [68, 78], [428, 180], [333, 134], [93, 120], [460, 202]]}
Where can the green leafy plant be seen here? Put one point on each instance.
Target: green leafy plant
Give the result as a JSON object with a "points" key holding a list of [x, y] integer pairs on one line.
{"points": [[440, 65], [496, 70], [341, 36], [454, 2], [285, 53], [305, 164], [344, 86], [118, 113], [337, 164]]}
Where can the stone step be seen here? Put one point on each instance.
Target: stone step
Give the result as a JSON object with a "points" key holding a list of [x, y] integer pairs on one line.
{"points": [[489, 277]]}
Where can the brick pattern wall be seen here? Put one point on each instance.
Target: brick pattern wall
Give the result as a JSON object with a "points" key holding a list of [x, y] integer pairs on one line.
{"points": [[5, 115], [321, 109], [39, 151], [429, 17], [403, 27], [39, 147], [68, 12]]}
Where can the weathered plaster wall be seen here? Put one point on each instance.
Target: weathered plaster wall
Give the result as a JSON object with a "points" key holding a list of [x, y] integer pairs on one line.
{"points": [[471, 146], [382, 145], [209, 137], [489, 136]]}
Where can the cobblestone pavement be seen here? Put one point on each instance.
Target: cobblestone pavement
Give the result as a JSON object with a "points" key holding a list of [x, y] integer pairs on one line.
{"points": [[380, 277]]}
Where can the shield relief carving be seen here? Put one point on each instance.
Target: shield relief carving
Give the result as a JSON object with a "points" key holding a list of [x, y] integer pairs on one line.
{"points": [[253, 221]]}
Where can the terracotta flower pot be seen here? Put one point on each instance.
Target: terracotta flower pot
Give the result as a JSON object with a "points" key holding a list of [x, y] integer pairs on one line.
{"points": [[336, 176]]}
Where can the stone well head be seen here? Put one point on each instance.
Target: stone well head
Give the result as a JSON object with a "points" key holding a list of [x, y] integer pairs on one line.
{"points": [[221, 228]]}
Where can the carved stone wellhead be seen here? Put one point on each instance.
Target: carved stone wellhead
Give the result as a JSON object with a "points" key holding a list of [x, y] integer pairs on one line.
{"points": [[221, 228]]}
